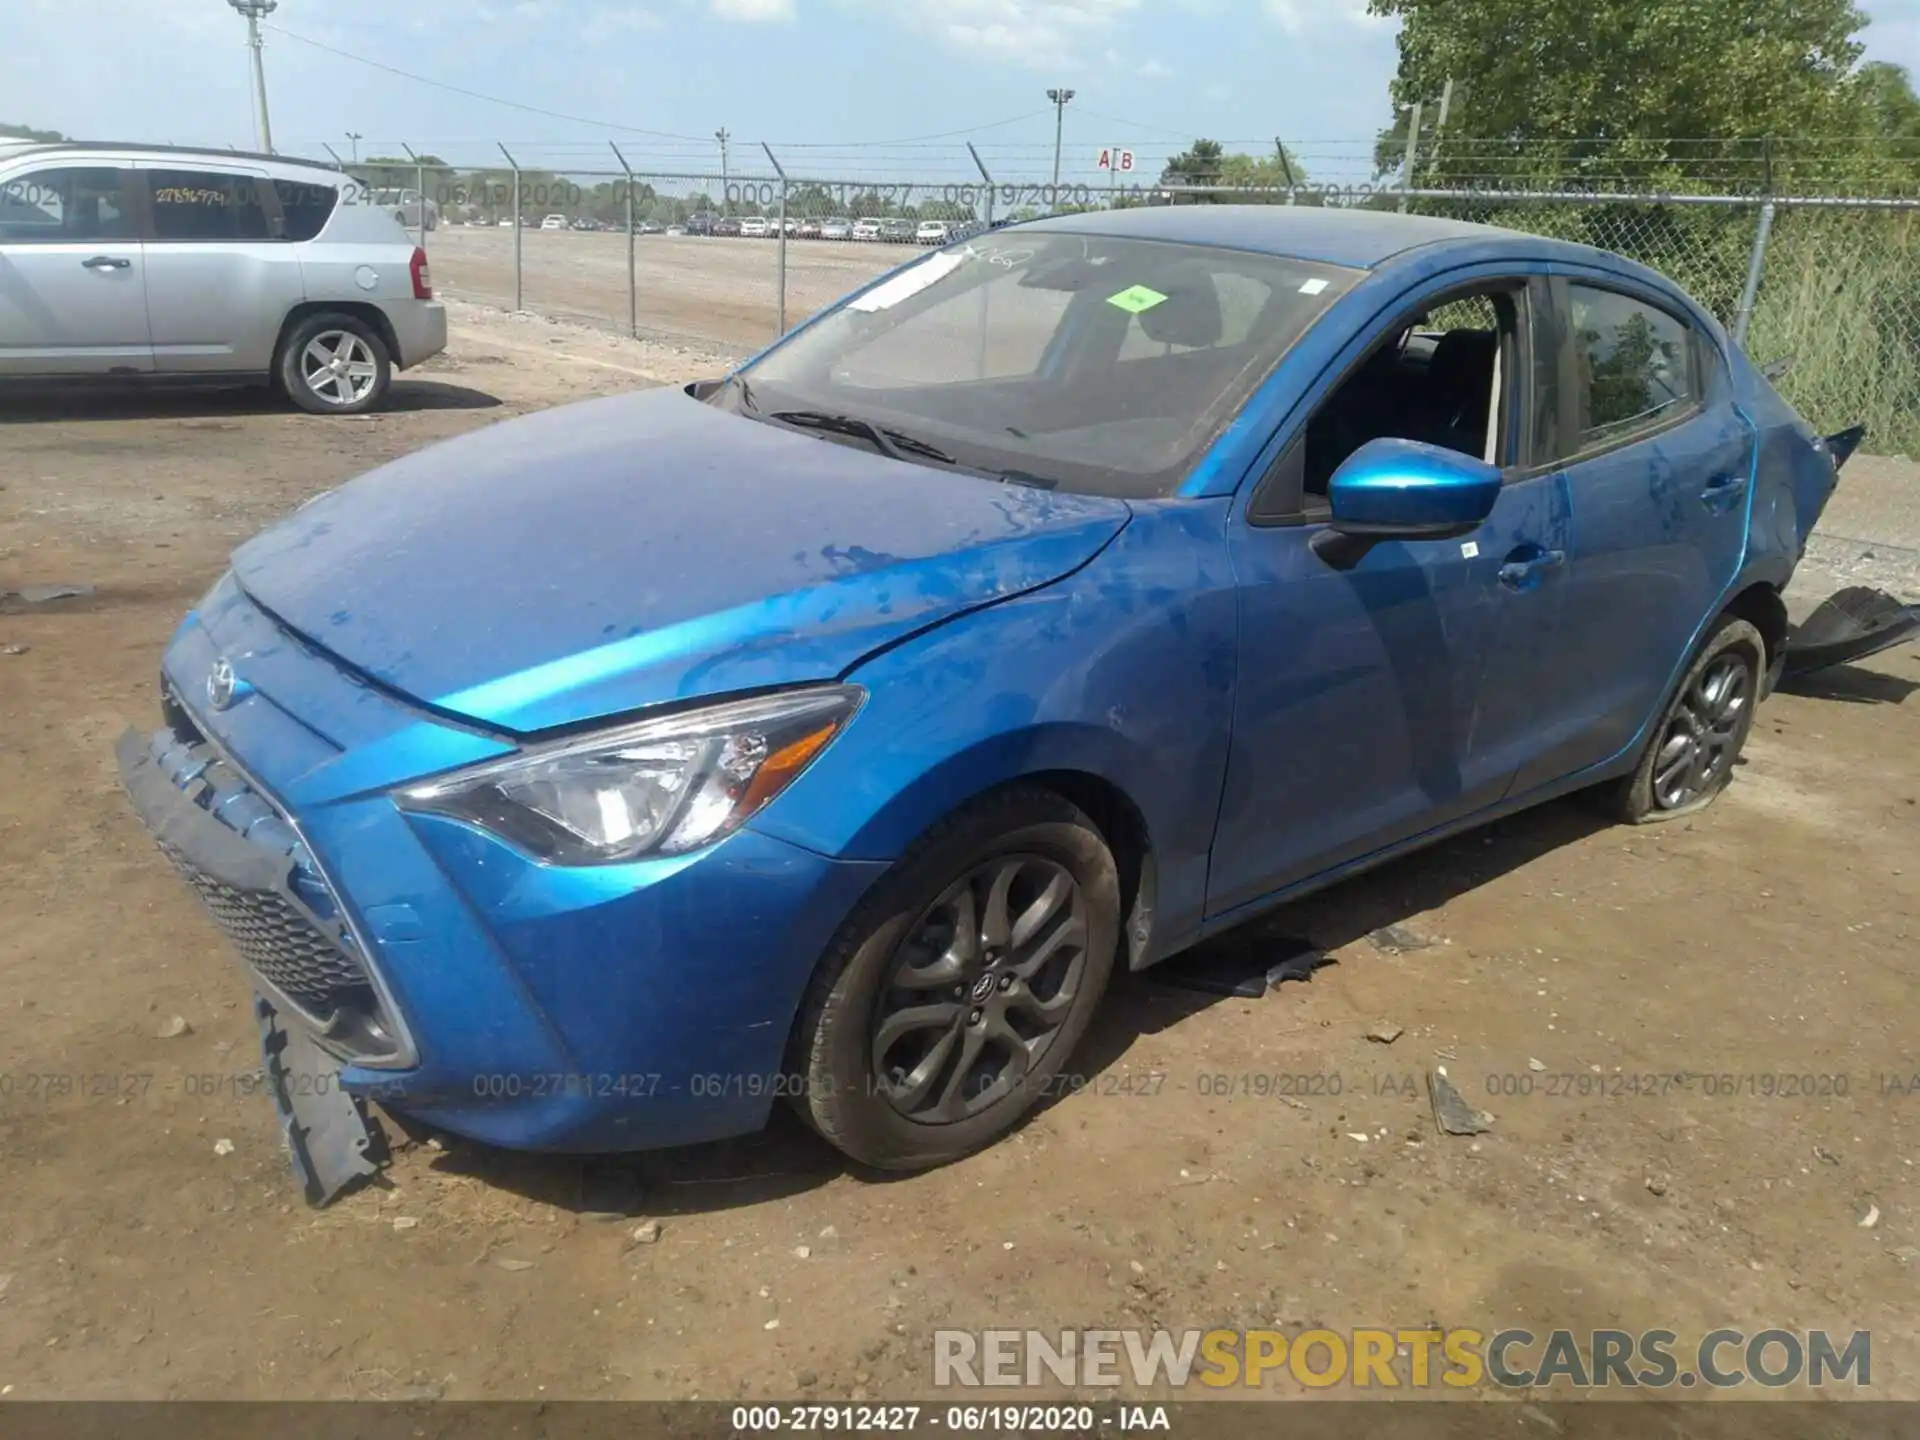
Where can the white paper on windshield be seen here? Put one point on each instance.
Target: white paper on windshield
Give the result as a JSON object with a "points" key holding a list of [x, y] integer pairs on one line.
{"points": [[910, 282]]}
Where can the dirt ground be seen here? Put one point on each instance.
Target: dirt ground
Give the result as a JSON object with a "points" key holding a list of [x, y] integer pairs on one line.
{"points": [[715, 292], [152, 1245]]}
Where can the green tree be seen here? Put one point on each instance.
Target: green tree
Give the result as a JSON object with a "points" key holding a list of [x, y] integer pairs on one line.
{"points": [[1207, 163], [1657, 91], [27, 132]]}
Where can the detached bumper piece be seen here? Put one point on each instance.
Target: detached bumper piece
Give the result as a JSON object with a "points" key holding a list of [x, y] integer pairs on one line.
{"points": [[328, 1138], [1851, 625]]}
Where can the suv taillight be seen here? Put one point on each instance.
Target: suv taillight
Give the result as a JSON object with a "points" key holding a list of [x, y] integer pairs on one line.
{"points": [[422, 276]]}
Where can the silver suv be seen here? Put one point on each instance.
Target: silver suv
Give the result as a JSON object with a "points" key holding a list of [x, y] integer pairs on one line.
{"points": [[173, 263]]}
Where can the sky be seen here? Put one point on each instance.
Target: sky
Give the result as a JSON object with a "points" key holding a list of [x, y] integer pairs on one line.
{"points": [[852, 88]]}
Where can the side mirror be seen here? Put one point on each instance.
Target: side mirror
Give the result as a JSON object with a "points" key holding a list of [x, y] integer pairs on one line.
{"points": [[1404, 490]]}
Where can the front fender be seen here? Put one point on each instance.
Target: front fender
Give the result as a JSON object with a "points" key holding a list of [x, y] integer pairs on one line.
{"points": [[1123, 671]]}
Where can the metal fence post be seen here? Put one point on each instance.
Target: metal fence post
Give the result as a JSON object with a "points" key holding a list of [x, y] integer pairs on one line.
{"points": [[981, 166], [780, 282], [518, 294], [1756, 266], [420, 187], [1413, 146], [633, 275]]}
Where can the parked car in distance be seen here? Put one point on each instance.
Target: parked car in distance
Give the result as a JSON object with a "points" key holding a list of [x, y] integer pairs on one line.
{"points": [[727, 225], [677, 230], [505, 222], [405, 205], [809, 229], [896, 231], [701, 223], [867, 229], [648, 227], [755, 228], [554, 222], [839, 228], [1247, 577], [172, 263], [933, 232]]}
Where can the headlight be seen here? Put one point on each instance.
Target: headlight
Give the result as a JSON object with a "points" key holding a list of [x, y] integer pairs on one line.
{"points": [[661, 787]]}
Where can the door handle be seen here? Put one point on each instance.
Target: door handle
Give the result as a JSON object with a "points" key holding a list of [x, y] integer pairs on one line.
{"points": [[1520, 574], [107, 262], [1722, 490]]}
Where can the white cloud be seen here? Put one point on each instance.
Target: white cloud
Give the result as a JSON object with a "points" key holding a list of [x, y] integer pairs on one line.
{"points": [[1036, 33], [1153, 70], [1296, 16], [610, 22], [755, 12]]}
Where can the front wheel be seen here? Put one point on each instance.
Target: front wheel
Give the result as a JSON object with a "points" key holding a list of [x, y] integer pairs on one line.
{"points": [[957, 991], [1691, 756]]}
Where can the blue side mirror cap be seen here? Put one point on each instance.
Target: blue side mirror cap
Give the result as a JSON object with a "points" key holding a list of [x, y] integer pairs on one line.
{"points": [[1409, 490]]}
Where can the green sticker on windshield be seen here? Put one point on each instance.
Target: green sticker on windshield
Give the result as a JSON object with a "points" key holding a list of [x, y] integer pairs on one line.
{"points": [[1136, 298]]}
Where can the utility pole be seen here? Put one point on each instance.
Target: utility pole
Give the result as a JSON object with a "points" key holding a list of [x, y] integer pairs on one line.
{"points": [[255, 11], [1059, 99], [723, 137], [356, 137]]}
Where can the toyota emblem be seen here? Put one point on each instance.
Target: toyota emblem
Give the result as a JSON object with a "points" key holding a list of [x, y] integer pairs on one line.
{"points": [[221, 684]]}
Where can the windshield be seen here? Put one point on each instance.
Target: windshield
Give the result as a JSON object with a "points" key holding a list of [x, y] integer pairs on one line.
{"points": [[1097, 365]]}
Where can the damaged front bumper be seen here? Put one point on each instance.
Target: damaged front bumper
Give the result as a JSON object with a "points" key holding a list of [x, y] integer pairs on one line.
{"points": [[250, 868]]}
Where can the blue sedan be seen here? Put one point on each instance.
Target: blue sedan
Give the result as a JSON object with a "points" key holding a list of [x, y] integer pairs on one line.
{"points": [[831, 732]]}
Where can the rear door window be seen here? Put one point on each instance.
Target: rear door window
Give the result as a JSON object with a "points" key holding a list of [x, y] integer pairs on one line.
{"points": [[66, 205], [1634, 368], [208, 205]]}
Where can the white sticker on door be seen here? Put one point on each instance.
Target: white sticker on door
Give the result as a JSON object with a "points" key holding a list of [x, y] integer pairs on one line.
{"points": [[1469, 551]]}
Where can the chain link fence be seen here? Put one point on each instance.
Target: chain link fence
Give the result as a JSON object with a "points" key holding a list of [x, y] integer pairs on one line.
{"points": [[726, 259]]}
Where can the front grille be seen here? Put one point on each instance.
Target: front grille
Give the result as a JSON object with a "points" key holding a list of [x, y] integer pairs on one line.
{"points": [[291, 934], [283, 946]]}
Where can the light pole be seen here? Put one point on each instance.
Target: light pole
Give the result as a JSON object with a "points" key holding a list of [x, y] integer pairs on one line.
{"points": [[1059, 99], [255, 11], [723, 137], [355, 137]]}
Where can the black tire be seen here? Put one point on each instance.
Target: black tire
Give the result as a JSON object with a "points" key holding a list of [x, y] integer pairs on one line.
{"points": [[298, 377], [1701, 732], [838, 1048]]}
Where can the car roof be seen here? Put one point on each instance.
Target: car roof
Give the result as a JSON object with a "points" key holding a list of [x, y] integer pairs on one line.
{"points": [[10, 150], [1362, 239]]}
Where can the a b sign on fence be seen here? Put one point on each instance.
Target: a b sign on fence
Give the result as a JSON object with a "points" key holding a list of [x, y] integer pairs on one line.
{"points": [[1114, 158]]}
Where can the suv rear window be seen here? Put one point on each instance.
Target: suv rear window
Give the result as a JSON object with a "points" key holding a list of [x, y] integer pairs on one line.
{"points": [[207, 205], [305, 206]]}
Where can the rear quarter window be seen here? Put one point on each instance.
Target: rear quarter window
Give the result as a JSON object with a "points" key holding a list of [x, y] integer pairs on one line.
{"points": [[305, 207]]}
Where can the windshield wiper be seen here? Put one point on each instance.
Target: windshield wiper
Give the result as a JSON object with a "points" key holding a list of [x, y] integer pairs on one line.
{"points": [[891, 443]]}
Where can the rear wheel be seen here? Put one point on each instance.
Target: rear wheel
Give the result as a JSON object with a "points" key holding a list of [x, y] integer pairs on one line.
{"points": [[960, 988], [335, 364], [1691, 756]]}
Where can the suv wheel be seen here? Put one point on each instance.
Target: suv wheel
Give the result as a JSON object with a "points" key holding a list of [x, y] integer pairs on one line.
{"points": [[959, 988], [335, 364]]}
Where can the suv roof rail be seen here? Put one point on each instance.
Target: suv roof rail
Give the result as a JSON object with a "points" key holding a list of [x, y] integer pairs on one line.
{"points": [[211, 151]]}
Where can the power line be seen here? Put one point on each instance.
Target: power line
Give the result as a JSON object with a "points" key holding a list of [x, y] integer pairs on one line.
{"points": [[1136, 125], [615, 125], [913, 139], [476, 94]]}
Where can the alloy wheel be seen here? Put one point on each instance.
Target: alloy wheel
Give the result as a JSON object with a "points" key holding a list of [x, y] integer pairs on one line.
{"points": [[979, 989], [338, 366], [1702, 737]]}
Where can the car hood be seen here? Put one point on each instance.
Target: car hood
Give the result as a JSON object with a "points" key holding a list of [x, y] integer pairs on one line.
{"points": [[602, 557]]}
